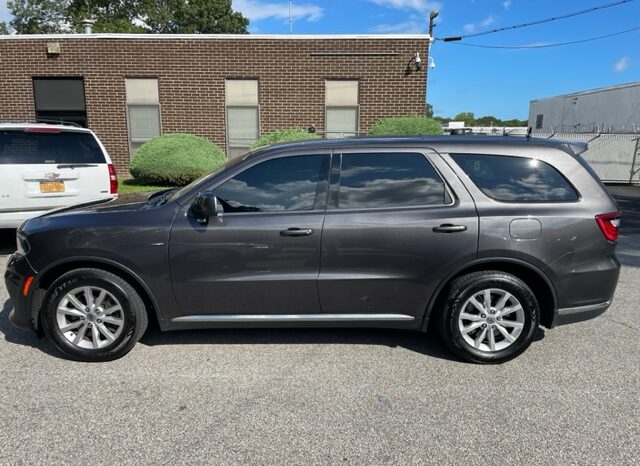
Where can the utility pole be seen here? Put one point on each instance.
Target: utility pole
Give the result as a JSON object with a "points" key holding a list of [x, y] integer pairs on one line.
{"points": [[290, 19]]}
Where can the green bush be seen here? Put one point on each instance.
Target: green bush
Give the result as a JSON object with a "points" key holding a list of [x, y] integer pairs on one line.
{"points": [[406, 126], [175, 159], [285, 135]]}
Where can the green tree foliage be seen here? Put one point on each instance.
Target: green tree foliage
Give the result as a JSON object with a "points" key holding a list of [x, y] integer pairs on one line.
{"points": [[285, 135], [406, 126], [175, 159], [487, 120], [468, 118], [428, 111], [133, 16], [4, 28]]}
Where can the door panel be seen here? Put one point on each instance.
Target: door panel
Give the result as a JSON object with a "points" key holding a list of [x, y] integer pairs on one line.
{"points": [[262, 255], [390, 259], [241, 264]]}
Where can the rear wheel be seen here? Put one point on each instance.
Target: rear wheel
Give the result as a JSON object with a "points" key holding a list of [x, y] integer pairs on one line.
{"points": [[94, 315], [490, 317]]}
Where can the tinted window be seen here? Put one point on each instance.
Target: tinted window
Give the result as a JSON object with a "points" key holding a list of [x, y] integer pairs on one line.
{"points": [[22, 147], [516, 178], [389, 180], [288, 183]]}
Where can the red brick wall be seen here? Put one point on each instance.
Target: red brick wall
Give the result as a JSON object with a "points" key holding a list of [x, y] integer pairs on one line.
{"points": [[192, 73]]}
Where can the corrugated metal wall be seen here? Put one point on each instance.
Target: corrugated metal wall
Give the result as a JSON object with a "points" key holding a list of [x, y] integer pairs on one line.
{"points": [[612, 156]]}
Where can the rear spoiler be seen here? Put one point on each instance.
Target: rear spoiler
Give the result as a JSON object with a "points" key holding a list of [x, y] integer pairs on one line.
{"points": [[577, 147]]}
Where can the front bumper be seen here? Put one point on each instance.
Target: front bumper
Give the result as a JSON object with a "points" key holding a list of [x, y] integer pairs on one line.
{"points": [[18, 270]]}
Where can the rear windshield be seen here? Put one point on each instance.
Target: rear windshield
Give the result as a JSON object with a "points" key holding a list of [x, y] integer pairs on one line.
{"points": [[20, 147]]}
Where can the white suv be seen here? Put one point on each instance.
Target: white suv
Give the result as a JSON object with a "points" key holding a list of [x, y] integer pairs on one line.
{"points": [[46, 166]]}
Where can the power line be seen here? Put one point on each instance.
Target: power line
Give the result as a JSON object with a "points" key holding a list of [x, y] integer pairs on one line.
{"points": [[539, 21], [542, 46]]}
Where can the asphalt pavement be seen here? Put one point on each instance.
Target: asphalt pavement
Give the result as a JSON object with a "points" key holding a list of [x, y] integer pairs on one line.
{"points": [[331, 396]]}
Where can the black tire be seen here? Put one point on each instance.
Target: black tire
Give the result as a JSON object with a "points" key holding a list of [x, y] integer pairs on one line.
{"points": [[133, 310], [463, 288]]}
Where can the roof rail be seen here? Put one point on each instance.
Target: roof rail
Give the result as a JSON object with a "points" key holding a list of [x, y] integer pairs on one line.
{"points": [[44, 121]]}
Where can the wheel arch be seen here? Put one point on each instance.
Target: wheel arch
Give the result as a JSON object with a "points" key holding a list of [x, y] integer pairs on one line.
{"points": [[46, 277], [536, 279]]}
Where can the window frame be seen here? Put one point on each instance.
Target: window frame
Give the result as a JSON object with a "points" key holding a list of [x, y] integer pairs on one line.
{"points": [[81, 115], [355, 107], [128, 106], [336, 173], [227, 106], [520, 201], [320, 203], [226, 125]]}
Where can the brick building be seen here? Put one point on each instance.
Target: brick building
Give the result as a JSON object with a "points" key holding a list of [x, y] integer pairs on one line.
{"points": [[229, 89]]}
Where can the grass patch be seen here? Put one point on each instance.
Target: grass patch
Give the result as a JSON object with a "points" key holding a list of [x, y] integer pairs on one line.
{"points": [[131, 185]]}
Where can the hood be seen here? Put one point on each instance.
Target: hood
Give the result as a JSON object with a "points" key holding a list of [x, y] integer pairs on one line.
{"points": [[126, 202]]}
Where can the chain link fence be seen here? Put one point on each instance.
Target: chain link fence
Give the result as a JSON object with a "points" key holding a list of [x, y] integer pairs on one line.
{"points": [[615, 157]]}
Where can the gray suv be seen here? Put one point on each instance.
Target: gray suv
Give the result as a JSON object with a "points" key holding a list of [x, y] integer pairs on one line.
{"points": [[485, 238]]}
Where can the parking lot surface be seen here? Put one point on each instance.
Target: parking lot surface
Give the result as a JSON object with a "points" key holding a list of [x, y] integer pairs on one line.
{"points": [[331, 396]]}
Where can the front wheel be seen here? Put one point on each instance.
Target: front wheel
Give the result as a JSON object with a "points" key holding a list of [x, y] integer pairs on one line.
{"points": [[490, 317], [93, 315]]}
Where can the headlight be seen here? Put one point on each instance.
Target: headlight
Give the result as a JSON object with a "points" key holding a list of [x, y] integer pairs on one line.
{"points": [[22, 244]]}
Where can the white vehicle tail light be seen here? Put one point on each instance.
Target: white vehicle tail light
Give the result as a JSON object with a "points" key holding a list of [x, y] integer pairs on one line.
{"points": [[113, 179]]}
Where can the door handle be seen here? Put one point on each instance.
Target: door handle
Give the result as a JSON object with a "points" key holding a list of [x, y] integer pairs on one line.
{"points": [[296, 232], [449, 228]]}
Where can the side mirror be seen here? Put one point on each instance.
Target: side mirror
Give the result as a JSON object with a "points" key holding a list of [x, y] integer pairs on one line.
{"points": [[204, 206]]}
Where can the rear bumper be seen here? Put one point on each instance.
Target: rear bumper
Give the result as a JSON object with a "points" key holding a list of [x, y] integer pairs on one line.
{"points": [[18, 270], [15, 219], [572, 315]]}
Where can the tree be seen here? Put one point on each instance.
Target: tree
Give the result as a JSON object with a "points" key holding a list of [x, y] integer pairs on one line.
{"points": [[39, 16], [163, 16], [467, 117], [428, 111], [4, 29]]}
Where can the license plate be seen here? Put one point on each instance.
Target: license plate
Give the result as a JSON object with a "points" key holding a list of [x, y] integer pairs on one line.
{"points": [[52, 186]]}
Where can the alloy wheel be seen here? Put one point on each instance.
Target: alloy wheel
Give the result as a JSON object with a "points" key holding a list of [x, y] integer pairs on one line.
{"points": [[491, 320], [90, 317]]}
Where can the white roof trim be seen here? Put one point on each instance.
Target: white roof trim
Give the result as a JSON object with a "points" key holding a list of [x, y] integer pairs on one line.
{"points": [[218, 36]]}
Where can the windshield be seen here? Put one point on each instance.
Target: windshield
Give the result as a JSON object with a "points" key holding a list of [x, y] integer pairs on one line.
{"points": [[203, 179]]}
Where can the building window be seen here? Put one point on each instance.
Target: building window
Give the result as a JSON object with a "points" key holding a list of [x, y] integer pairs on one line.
{"points": [[143, 111], [243, 115], [60, 100], [341, 109], [539, 121]]}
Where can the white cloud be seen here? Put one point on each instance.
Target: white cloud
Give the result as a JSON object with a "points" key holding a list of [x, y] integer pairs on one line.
{"points": [[412, 26], [470, 28], [420, 5], [621, 65], [506, 4], [257, 10]]}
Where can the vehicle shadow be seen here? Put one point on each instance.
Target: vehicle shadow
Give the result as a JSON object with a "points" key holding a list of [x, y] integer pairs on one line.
{"points": [[7, 241], [429, 344], [18, 336]]}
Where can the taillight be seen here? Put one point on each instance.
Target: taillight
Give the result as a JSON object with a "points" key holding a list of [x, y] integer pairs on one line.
{"points": [[113, 179], [609, 224]]}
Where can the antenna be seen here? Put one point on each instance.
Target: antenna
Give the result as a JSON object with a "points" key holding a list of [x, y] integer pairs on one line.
{"points": [[290, 19]]}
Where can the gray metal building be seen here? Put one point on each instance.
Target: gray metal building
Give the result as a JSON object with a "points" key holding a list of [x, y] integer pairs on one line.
{"points": [[614, 109]]}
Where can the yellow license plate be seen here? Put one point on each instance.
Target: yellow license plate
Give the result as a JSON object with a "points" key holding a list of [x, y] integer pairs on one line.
{"points": [[52, 186]]}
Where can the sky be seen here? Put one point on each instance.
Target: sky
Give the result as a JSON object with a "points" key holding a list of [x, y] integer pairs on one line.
{"points": [[468, 79]]}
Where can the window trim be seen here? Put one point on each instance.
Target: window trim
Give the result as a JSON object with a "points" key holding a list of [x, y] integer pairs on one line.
{"points": [[334, 189], [474, 185], [322, 203]]}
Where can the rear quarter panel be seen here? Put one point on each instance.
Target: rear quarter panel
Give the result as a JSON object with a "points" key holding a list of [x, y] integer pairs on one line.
{"points": [[570, 249]]}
